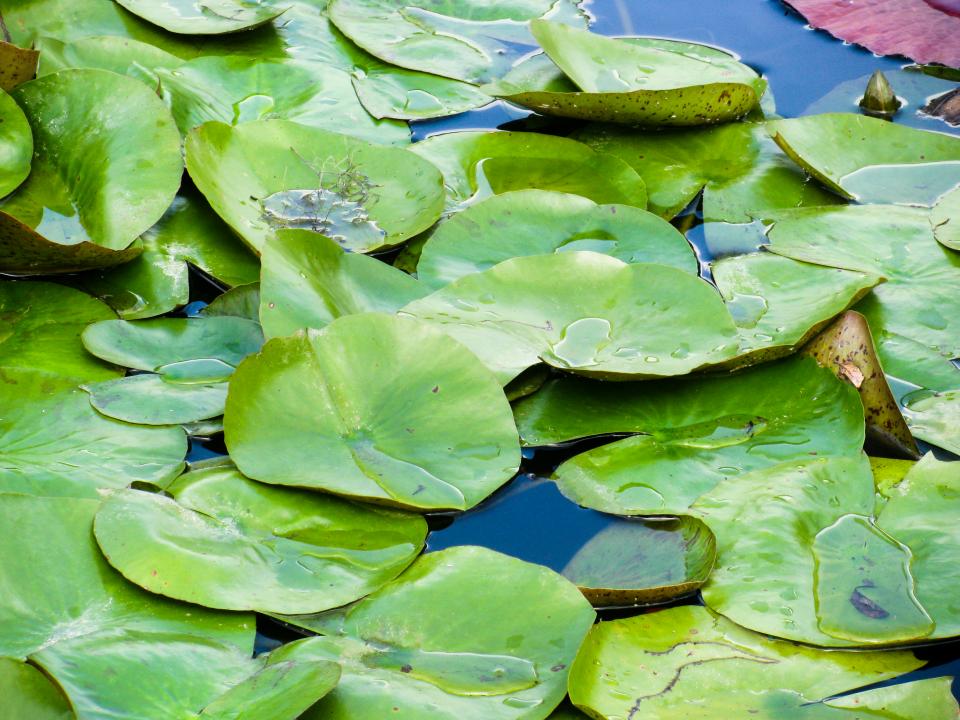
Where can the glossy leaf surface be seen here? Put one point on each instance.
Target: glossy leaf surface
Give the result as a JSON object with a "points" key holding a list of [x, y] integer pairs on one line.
{"points": [[16, 145], [205, 17]]}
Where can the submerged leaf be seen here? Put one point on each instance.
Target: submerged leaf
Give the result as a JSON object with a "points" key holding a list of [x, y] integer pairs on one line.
{"points": [[535, 222], [226, 542], [205, 17], [376, 407], [268, 175]]}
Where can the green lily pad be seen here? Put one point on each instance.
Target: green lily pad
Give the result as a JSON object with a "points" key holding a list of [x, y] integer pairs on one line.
{"points": [[477, 164], [309, 281], [398, 413], [268, 175], [915, 314], [945, 219], [871, 160], [28, 693], [242, 301], [149, 400], [106, 166], [54, 443], [16, 145], [535, 222], [17, 65], [235, 89], [692, 434], [413, 645], [643, 562], [123, 55], [158, 280], [263, 548], [387, 91], [644, 81], [779, 304], [665, 663], [40, 326], [201, 349], [467, 40], [936, 419], [888, 472], [847, 348], [584, 312], [737, 165], [205, 17]]}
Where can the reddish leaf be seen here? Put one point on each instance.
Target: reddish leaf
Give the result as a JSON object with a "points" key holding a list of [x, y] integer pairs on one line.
{"points": [[924, 30]]}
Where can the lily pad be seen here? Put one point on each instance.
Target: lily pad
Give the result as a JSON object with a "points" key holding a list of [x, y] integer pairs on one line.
{"points": [[644, 81], [387, 91], [945, 219], [535, 222], [923, 31], [847, 348], [665, 663], [778, 306], [123, 55], [41, 325], [413, 645], [643, 562], [234, 89], [692, 434], [54, 443], [17, 65], [871, 160], [149, 400], [205, 17], [106, 166], [914, 315], [309, 281], [264, 548], [584, 312], [398, 413], [28, 693], [936, 419], [203, 349], [158, 280], [737, 165], [242, 301], [476, 165], [468, 40], [268, 175], [16, 145]]}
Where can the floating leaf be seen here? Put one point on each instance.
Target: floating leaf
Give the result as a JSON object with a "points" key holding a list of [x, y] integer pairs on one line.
{"points": [[235, 90], [535, 222], [871, 160], [847, 348], [936, 419], [635, 81], [268, 175], [585, 312], [158, 280], [262, 548], [16, 145], [122, 55], [778, 306], [53, 443], [397, 413], [28, 693], [413, 644], [888, 472], [17, 65], [40, 326], [915, 314], [920, 29], [477, 164], [106, 166], [738, 167], [642, 562], [242, 301], [470, 40], [176, 346], [309, 281], [387, 91], [149, 400], [205, 17], [693, 433], [945, 219], [665, 663]]}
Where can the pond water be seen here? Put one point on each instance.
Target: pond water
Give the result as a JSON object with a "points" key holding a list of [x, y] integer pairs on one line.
{"points": [[529, 518]]}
